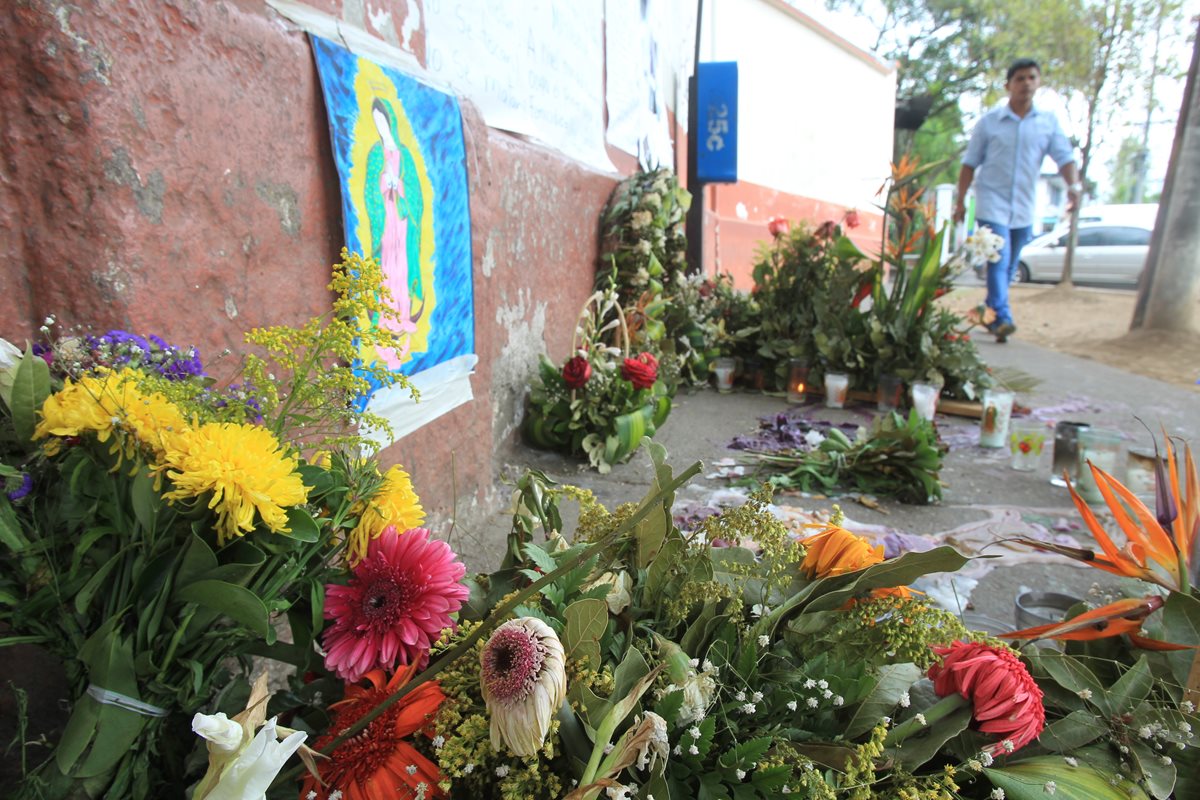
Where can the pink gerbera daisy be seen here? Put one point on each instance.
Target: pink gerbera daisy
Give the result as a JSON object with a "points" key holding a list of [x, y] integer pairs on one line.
{"points": [[399, 599]]}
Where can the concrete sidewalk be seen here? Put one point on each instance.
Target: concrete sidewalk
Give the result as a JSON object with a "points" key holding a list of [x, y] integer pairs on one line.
{"points": [[984, 499]]}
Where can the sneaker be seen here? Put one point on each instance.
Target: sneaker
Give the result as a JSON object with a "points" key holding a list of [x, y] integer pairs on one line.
{"points": [[1003, 331]]}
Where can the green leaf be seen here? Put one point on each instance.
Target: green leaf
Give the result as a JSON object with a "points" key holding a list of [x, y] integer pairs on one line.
{"points": [[1072, 732], [236, 602], [1027, 779], [96, 582], [31, 387], [1181, 624], [1075, 676], [916, 750], [894, 680], [1131, 688], [633, 668], [586, 622], [145, 501], [1160, 777], [896, 572], [543, 560], [301, 525]]}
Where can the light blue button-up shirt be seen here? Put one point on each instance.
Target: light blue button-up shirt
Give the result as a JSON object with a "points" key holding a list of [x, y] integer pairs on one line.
{"points": [[1006, 153]]}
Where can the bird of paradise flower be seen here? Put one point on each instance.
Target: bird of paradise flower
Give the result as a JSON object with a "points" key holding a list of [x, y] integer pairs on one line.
{"points": [[1161, 548]]}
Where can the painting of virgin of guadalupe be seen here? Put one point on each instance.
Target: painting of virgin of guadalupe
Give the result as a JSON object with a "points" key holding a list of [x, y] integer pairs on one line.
{"points": [[398, 147], [395, 207]]}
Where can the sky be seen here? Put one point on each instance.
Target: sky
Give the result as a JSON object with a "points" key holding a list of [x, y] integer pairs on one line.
{"points": [[1127, 120]]}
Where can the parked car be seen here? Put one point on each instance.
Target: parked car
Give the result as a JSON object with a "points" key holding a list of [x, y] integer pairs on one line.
{"points": [[1105, 253]]}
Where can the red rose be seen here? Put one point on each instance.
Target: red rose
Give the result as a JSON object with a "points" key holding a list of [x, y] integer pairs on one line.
{"points": [[852, 220], [1005, 700], [778, 226], [642, 371], [576, 372]]}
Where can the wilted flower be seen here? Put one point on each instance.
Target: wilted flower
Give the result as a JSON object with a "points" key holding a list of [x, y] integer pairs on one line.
{"points": [[655, 744], [399, 599], [826, 229], [1005, 700], [620, 585], [524, 682], [640, 219]]}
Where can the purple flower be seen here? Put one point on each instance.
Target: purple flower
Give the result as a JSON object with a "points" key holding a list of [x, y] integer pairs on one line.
{"points": [[24, 489], [121, 348]]}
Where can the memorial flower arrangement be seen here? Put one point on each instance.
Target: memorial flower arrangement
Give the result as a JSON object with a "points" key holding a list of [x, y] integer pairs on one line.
{"points": [[740, 659], [157, 530], [605, 397], [644, 257], [824, 301]]}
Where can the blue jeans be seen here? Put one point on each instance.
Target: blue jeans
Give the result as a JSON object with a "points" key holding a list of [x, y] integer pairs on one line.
{"points": [[1001, 273]]}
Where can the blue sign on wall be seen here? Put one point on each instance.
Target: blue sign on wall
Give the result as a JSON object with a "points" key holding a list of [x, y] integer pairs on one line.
{"points": [[716, 140]]}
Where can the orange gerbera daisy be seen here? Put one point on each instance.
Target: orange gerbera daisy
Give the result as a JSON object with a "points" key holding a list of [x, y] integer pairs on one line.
{"points": [[379, 762], [836, 551]]}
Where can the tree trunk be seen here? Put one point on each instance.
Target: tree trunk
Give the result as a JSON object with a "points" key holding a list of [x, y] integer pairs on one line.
{"points": [[1171, 279]]}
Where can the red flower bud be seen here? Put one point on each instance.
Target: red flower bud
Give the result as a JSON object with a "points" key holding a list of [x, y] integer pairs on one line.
{"points": [[852, 220], [642, 371], [778, 226], [576, 372]]}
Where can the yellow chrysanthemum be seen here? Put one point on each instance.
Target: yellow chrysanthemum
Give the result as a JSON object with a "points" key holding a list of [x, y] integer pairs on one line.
{"points": [[836, 551], [110, 405], [244, 468], [395, 504]]}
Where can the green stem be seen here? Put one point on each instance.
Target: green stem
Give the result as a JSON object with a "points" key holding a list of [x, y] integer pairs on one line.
{"points": [[931, 716], [603, 735], [499, 614]]}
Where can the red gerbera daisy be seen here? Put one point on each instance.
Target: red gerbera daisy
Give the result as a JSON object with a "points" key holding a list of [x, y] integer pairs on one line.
{"points": [[378, 762], [399, 599]]}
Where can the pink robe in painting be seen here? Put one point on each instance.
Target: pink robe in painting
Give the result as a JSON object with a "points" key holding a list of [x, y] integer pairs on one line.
{"points": [[394, 254]]}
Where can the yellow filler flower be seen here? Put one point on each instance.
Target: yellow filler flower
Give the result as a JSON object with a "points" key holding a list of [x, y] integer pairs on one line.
{"points": [[245, 469]]}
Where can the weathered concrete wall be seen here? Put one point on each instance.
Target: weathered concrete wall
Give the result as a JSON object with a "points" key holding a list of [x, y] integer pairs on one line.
{"points": [[166, 169]]}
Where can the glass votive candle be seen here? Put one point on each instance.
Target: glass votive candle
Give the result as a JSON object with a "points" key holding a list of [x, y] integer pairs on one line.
{"points": [[924, 399], [837, 386], [1027, 440], [1103, 449], [797, 380], [887, 392], [993, 423], [1066, 452], [724, 368]]}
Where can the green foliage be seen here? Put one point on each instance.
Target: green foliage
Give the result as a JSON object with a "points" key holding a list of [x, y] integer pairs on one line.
{"points": [[803, 281], [899, 457]]}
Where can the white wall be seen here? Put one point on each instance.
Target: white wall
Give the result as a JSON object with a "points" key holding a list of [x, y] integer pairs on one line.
{"points": [[815, 118]]}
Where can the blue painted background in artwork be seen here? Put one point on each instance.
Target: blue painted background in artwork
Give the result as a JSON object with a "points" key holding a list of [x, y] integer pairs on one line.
{"points": [[437, 124]]}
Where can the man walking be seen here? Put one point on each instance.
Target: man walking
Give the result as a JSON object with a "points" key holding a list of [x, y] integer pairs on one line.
{"points": [[1004, 159]]}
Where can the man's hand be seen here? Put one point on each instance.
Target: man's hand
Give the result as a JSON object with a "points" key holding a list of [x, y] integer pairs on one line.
{"points": [[960, 211], [1074, 194]]}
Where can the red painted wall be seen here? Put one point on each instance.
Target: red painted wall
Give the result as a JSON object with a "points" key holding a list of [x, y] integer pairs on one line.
{"points": [[166, 169], [738, 233]]}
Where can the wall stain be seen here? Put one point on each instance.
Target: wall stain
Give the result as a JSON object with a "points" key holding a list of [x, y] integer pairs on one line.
{"points": [[147, 194]]}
